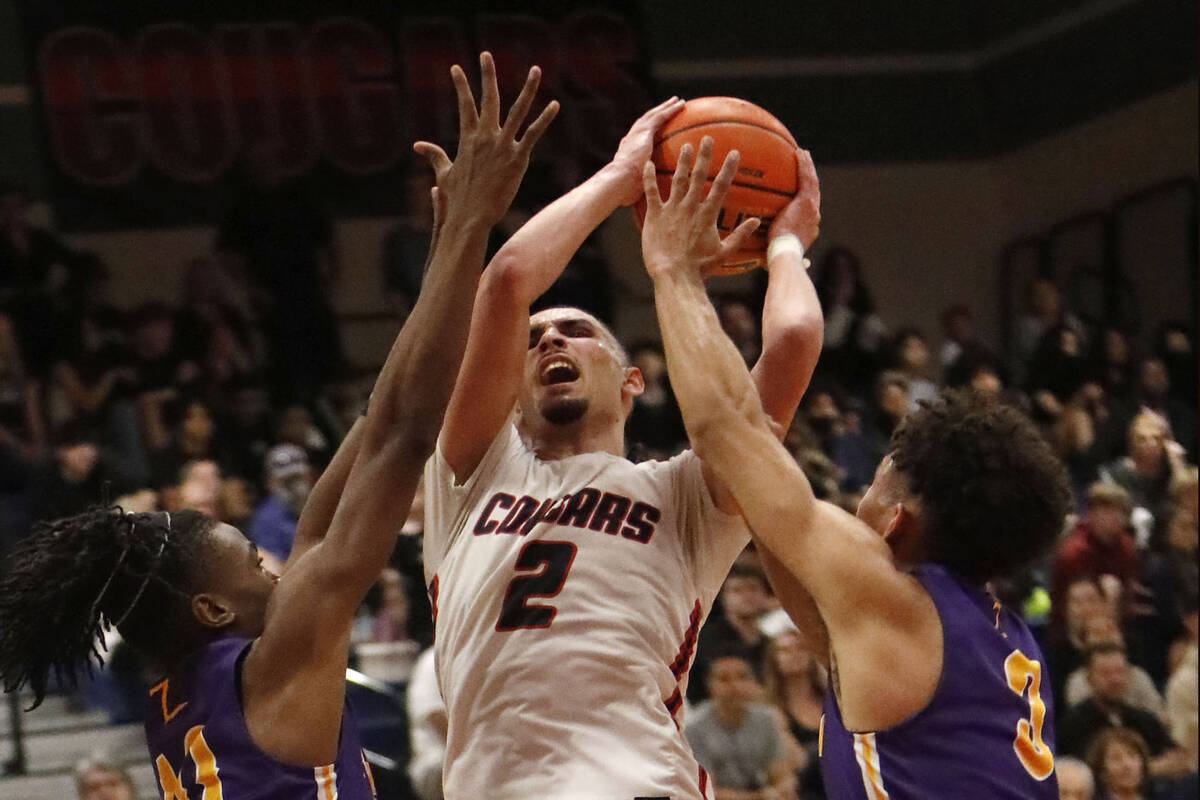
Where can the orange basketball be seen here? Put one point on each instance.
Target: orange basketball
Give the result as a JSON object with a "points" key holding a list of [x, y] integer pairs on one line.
{"points": [[766, 173]]}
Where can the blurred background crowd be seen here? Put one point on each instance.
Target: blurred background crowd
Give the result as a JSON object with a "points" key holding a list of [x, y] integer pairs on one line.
{"points": [[233, 399], [210, 233]]}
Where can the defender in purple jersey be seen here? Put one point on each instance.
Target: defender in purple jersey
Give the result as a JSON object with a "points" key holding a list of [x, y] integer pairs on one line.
{"points": [[250, 700], [937, 690]]}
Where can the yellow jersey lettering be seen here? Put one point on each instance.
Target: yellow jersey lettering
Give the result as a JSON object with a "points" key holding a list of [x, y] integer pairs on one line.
{"points": [[195, 747], [1031, 750], [161, 688]]}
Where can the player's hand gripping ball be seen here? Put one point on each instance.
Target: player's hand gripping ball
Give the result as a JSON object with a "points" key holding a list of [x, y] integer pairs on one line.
{"points": [[766, 175]]}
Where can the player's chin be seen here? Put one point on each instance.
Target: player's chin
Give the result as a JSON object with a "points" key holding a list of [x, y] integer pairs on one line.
{"points": [[563, 410]]}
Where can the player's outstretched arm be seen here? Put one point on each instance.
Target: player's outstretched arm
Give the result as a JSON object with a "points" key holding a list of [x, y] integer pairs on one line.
{"points": [[792, 323], [294, 676], [867, 605], [523, 269]]}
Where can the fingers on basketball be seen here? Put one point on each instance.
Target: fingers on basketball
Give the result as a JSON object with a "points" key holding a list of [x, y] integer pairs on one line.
{"points": [[766, 178]]}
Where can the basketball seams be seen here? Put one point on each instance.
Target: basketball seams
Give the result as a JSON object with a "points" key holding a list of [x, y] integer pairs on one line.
{"points": [[742, 184], [788, 139]]}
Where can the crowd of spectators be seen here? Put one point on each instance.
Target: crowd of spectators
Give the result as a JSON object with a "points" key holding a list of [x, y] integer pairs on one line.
{"points": [[234, 398]]}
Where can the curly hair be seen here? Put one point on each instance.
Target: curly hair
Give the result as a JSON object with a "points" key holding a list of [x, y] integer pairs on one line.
{"points": [[74, 578], [993, 493]]}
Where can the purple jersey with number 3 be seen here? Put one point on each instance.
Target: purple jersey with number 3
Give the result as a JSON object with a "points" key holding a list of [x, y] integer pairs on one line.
{"points": [[201, 749], [988, 730]]}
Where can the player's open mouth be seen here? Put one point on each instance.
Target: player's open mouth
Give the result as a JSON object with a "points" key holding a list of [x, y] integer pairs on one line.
{"points": [[558, 370]]}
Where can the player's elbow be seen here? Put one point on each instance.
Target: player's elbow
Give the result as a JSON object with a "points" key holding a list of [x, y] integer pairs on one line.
{"points": [[505, 279], [802, 333]]}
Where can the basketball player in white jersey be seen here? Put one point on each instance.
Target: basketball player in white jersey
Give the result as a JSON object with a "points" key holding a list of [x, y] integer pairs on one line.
{"points": [[568, 584]]}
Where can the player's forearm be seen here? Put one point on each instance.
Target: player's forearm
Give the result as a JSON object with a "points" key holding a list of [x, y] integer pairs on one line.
{"points": [[714, 391], [793, 327], [323, 499], [536, 255], [721, 410]]}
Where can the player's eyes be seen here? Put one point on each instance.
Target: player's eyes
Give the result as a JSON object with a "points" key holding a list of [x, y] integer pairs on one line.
{"points": [[534, 336]]}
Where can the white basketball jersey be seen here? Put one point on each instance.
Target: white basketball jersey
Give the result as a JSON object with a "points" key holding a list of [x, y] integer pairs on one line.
{"points": [[567, 598]]}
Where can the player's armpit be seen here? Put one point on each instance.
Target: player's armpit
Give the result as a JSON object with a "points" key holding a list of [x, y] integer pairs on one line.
{"points": [[799, 605]]}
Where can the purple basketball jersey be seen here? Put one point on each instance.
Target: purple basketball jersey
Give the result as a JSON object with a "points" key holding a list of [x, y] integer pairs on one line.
{"points": [[987, 732], [200, 747]]}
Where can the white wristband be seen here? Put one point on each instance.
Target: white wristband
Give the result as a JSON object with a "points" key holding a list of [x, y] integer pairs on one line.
{"points": [[785, 243]]}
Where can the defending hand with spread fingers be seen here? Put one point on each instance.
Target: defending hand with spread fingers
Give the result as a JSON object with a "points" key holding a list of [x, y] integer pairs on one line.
{"points": [[680, 234], [491, 159]]}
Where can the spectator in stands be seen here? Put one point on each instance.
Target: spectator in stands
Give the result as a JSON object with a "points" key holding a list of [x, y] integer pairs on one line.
{"points": [[962, 352], [427, 729], [101, 778], [217, 294], [199, 488], [1046, 313], [1057, 370], [1140, 692], [1075, 779], [854, 333], [406, 246], [1100, 543], [910, 356], [741, 325], [288, 242], [795, 685], [295, 425], [1182, 705], [246, 431], [1174, 347], [92, 370], [1074, 435], [235, 502], [21, 424], [1153, 461], [1168, 577], [184, 431], [382, 642], [736, 738], [159, 368], [73, 480], [1120, 759], [1108, 675], [743, 599], [1083, 599], [838, 433], [1153, 392], [289, 480], [890, 403], [1114, 363], [655, 427], [39, 281]]}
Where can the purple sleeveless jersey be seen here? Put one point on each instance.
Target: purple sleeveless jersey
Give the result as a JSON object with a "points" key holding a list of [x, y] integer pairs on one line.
{"points": [[201, 749], [988, 731]]}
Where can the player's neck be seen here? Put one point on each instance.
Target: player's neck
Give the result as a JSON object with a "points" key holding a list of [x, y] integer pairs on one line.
{"points": [[553, 442]]}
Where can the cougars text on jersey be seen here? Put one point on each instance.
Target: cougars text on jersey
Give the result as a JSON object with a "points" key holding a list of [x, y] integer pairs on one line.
{"points": [[587, 508]]}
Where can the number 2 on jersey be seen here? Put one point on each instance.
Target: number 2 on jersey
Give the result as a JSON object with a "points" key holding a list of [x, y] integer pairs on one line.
{"points": [[545, 565], [1031, 750]]}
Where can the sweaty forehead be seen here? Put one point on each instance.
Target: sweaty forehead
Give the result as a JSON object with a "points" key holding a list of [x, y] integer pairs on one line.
{"points": [[562, 314]]}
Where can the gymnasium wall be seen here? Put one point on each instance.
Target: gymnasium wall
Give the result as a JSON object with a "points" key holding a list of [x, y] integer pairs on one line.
{"points": [[928, 234]]}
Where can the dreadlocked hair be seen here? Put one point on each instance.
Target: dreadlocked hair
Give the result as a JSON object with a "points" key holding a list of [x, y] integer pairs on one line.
{"points": [[992, 491], [72, 579]]}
